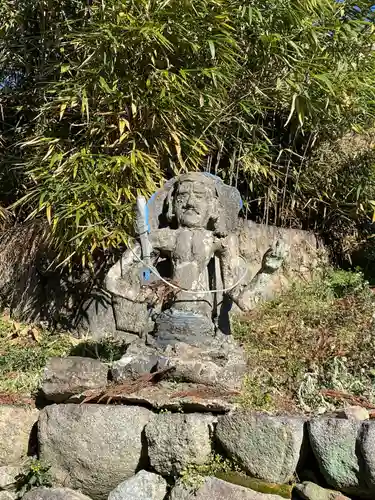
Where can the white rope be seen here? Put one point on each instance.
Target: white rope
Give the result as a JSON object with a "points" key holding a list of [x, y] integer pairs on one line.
{"points": [[176, 287]]}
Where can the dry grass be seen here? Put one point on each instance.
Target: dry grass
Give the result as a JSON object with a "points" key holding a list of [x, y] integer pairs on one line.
{"points": [[312, 349], [24, 351]]}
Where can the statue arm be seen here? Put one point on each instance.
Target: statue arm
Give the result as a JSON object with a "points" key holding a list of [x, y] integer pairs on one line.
{"points": [[230, 261], [123, 277], [246, 296]]}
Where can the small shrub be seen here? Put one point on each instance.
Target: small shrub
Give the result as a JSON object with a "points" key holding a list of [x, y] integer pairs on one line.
{"points": [[37, 474], [343, 283], [107, 350], [256, 393], [193, 475]]}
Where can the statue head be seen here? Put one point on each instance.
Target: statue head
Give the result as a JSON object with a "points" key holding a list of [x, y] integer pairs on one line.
{"points": [[195, 201]]}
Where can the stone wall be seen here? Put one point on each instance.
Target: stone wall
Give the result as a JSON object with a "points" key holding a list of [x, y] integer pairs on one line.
{"points": [[306, 251], [143, 448]]}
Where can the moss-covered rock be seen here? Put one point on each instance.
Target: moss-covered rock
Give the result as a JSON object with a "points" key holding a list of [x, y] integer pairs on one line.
{"points": [[284, 490]]}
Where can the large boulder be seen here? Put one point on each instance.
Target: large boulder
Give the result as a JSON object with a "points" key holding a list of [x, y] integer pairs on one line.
{"points": [[54, 494], [176, 440], [213, 488], [92, 447], [65, 377], [336, 444], [266, 447], [16, 424], [143, 486]]}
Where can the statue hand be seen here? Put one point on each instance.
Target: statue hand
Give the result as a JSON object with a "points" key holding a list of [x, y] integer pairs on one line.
{"points": [[275, 256]]}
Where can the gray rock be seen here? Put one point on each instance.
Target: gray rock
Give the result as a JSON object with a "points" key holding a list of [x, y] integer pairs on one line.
{"points": [[218, 363], [221, 364], [65, 377], [131, 316], [366, 454], [16, 424], [266, 447], [97, 317], [214, 488], [311, 491], [100, 313], [8, 476], [92, 447], [54, 494], [173, 326], [138, 360], [176, 440], [143, 486], [335, 443]]}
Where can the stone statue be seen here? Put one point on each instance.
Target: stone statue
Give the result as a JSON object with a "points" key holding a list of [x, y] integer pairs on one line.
{"points": [[171, 291], [193, 232]]}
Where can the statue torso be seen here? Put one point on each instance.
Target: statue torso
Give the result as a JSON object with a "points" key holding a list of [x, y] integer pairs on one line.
{"points": [[191, 251]]}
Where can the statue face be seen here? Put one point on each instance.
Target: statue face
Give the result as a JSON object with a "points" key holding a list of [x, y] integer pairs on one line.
{"points": [[193, 204]]}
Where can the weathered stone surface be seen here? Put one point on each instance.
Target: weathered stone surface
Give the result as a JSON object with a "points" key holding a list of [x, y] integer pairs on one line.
{"points": [[65, 377], [366, 454], [217, 489], [220, 364], [176, 440], [7, 495], [8, 476], [173, 326], [311, 491], [92, 447], [131, 316], [16, 424], [97, 317], [143, 486], [138, 360], [54, 494], [266, 447], [182, 397], [336, 446], [305, 255]]}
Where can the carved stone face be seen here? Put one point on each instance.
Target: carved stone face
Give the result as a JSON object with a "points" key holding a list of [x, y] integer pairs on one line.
{"points": [[193, 203]]}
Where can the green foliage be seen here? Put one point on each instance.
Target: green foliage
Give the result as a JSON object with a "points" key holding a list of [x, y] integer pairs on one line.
{"points": [[193, 475], [37, 474], [24, 353], [316, 337], [105, 99], [106, 350], [342, 283]]}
